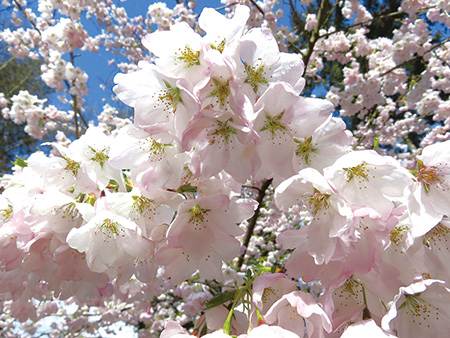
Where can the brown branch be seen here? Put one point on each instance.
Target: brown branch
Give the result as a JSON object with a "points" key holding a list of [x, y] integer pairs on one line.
{"points": [[257, 7], [252, 222], [315, 33], [25, 14]]}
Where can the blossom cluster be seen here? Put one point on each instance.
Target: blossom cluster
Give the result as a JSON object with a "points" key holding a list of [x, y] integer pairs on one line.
{"points": [[393, 89], [166, 201]]}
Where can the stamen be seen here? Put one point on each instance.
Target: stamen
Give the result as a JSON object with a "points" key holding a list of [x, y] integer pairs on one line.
{"points": [[359, 173], [221, 91], [437, 237], [304, 148], [220, 47], [100, 156], [318, 202], [110, 229], [255, 76], [225, 130], [6, 214], [142, 204], [197, 216], [189, 57], [170, 97], [274, 124], [430, 176], [72, 166]]}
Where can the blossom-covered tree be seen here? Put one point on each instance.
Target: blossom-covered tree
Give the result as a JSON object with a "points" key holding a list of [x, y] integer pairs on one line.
{"points": [[233, 202]]}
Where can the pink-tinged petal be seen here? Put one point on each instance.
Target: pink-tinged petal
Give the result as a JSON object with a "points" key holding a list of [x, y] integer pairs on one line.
{"points": [[266, 331], [177, 264], [365, 328], [219, 27], [309, 113], [275, 100], [366, 178], [267, 289], [421, 310], [289, 311], [173, 330]]}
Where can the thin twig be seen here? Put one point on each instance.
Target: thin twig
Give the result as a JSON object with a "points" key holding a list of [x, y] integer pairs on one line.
{"points": [[226, 6], [252, 222], [257, 7], [25, 14], [315, 33]]}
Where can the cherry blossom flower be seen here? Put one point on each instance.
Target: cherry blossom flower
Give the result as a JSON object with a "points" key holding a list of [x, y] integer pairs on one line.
{"points": [[280, 115], [264, 64], [294, 309], [331, 215], [202, 234], [91, 151], [109, 241], [154, 160], [223, 33], [267, 289], [431, 193], [222, 143], [419, 309], [366, 178], [161, 102], [180, 52]]}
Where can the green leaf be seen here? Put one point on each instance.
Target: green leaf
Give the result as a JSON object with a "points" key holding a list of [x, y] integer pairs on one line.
{"points": [[220, 299], [20, 162], [375, 144]]}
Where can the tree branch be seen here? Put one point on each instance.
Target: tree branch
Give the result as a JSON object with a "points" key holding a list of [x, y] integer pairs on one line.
{"points": [[252, 222], [25, 14], [324, 4]]}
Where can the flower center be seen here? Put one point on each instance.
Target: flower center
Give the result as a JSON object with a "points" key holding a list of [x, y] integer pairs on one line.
{"points": [[396, 234], [304, 148], [156, 148], [318, 202], [99, 156], [189, 57], [359, 173], [419, 309], [255, 76], [68, 210], [352, 286], [430, 176], [221, 91], [110, 229], [6, 214], [72, 166], [274, 124], [224, 130], [437, 237], [197, 215], [170, 97], [220, 47], [142, 204]]}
